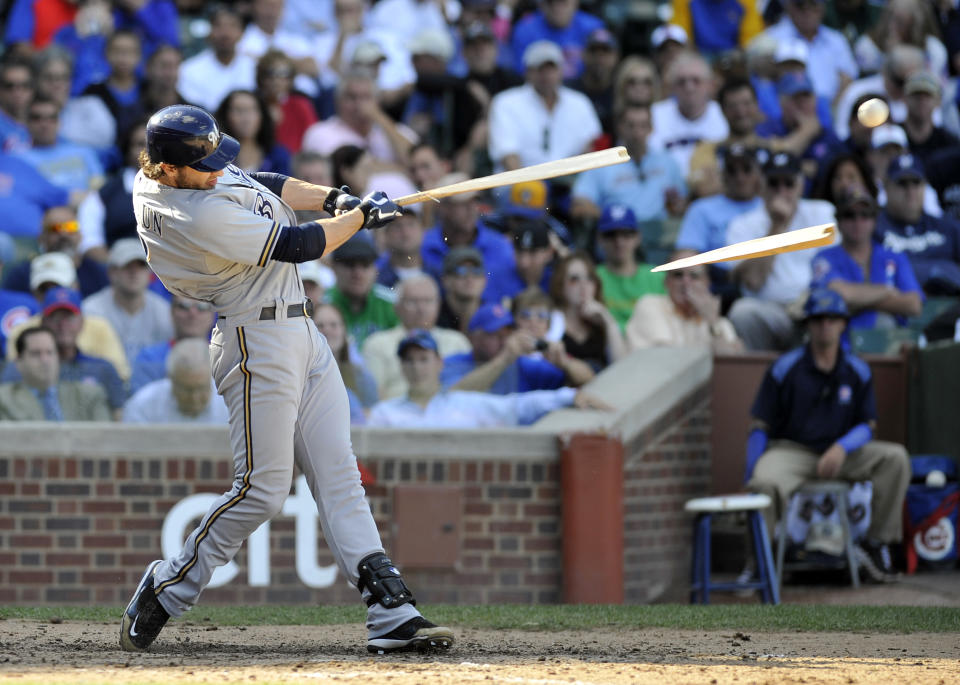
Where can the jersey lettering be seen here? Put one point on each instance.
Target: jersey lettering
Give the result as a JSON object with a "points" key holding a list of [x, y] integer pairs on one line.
{"points": [[151, 220], [263, 206]]}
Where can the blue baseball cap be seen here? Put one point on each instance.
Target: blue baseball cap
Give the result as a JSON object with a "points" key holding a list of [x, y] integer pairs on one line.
{"points": [[61, 298], [490, 318], [417, 338], [617, 218], [794, 82], [905, 166], [825, 302]]}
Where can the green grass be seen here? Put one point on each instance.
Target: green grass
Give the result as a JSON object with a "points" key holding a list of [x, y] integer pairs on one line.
{"points": [[802, 618]]}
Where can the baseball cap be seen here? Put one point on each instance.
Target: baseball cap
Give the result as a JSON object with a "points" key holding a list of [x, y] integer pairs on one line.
{"points": [[794, 83], [602, 37], [666, 32], [52, 267], [526, 199], [531, 235], [791, 51], [490, 318], [478, 30], [367, 52], [888, 134], [739, 151], [417, 338], [922, 82], [782, 164], [855, 198], [542, 52], [357, 249], [126, 250], [905, 166], [61, 298], [616, 218], [433, 41], [459, 255], [824, 302]]}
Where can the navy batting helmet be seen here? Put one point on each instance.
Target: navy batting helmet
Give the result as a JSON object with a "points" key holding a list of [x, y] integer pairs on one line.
{"points": [[185, 135], [825, 302]]}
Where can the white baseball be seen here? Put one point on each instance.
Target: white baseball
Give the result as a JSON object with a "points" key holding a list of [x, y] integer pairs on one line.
{"points": [[936, 479], [873, 112]]}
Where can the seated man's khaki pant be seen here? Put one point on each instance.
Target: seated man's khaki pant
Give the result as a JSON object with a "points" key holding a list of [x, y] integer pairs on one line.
{"points": [[786, 465]]}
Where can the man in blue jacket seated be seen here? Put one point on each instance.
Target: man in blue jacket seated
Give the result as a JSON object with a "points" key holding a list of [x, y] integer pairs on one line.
{"points": [[427, 405], [813, 418], [501, 361]]}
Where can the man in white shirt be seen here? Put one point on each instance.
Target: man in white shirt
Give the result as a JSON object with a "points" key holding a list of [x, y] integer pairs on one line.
{"points": [[206, 78], [690, 116], [771, 284], [426, 406], [186, 395], [417, 306], [140, 317], [541, 120], [830, 62]]}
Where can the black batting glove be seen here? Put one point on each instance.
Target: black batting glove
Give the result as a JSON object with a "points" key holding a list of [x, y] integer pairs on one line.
{"points": [[340, 201], [379, 210]]}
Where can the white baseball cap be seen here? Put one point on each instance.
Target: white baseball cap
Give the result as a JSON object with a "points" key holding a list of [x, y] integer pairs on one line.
{"points": [[435, 42], [318, 273], [367, 52], [666, 32], [791, 51], [52, 267], [541, 52], [126, 250], [888, 134]]}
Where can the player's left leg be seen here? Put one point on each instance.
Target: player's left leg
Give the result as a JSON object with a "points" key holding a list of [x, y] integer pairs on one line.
{"points": [[324, 454]]}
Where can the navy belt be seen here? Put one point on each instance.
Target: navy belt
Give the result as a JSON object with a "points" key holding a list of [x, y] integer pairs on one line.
{"points": [[305, 308]]}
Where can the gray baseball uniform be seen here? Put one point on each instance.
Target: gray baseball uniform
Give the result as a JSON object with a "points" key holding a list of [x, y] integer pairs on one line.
{"points": [[278, 377]]}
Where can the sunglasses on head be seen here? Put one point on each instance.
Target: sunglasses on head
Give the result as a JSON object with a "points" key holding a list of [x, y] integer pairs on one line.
{"points": [[857, 214], [70, 226], [192, 306], [541, 314], [464, 270], [785, 182]]}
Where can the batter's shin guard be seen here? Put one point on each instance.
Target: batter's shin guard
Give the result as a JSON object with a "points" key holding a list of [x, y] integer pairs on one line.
{"points": [[382, 579]]}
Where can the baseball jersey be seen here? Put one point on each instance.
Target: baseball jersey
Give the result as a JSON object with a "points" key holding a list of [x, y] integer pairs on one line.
{"points": [[215, 245]]}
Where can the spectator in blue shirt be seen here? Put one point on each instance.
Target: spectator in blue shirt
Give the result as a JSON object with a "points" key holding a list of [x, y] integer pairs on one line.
{"points": [[75, 168], [16, 92], [814, 418], [15, 307], [428, 405], [651, 184], [500, 361], [878, 285], [24, 197], [191, 319], [932, 244], [459, 225], [560, 22]]}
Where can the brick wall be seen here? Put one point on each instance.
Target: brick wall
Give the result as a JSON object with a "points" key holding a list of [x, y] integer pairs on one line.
{"points": [[82, 505], [664, 466]]}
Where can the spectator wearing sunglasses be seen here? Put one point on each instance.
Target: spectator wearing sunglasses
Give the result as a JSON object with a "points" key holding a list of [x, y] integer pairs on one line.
{"points": [[932, 244], [772, 284], [687, 316], [877, 284], [464, 280], [190, 319]]}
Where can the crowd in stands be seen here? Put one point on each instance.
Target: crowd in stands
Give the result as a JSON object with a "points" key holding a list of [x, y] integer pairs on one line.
{"points": [[740, 119]]}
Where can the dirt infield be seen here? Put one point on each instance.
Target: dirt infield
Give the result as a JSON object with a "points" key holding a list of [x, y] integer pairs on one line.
{"points": [[81, 652]]}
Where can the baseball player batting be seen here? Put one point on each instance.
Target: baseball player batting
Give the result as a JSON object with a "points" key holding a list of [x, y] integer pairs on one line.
{"points": [[215, 233]]}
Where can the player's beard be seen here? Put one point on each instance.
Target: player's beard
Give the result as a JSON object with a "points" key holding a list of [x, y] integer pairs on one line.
{"points": [[185, 180]]}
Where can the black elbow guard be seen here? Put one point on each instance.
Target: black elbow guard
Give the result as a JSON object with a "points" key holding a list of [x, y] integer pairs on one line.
{"points": [[302, 243], [382, 579]]}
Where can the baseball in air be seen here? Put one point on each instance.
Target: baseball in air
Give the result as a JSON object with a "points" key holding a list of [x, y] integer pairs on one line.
{"points": [[873, 112], [936, 479]]}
